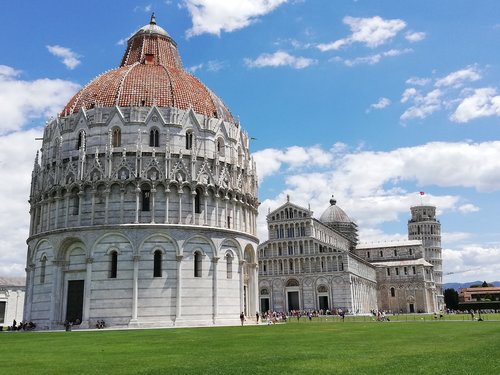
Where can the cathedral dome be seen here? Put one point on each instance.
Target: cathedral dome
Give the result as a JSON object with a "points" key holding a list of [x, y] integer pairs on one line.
{"points": [[150, 74], [334, 214]]}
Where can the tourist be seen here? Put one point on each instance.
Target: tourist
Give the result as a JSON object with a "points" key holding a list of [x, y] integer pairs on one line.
{"points": [[257, 316], [242, 318]]}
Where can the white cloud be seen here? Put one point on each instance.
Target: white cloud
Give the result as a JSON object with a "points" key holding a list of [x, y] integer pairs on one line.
{"points": [[23, 101], [380, 104], [423, 106], [471, 262], [458, 78], [270, 160], [69, 58], [375, 58], [213, 17], [415, 36], [484, 102], [408, 94], [371, 32], [279, 58], [124, 41], [17, 154], [467, 208], [145, 8], [418, 81]]}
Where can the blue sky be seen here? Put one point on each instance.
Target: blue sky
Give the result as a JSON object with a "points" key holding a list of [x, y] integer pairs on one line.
{"points": [[373, 101]]}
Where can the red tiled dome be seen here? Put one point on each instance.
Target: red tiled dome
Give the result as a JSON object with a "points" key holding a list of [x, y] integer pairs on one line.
{"points": [[151, 73]]}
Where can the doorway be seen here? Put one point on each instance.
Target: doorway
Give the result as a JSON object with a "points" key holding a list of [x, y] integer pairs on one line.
{"points": [[412, 308], [74, 300], [264, 304], [293, 301], [323, 303]]}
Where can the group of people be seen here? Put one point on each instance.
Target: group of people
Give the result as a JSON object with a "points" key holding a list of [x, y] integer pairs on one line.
{"points": [[100, 324], [24, 326]]}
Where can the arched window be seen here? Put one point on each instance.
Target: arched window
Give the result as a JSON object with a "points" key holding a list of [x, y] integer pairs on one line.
{"points": [[146, 196], [43, 263], [113, 265], [154, 138], [197, 264], [157, 264], [117, 137], [189, 140], [81, 140], [229, 266], [75, 202], [197, 201], [393, 292], [220, 146]]}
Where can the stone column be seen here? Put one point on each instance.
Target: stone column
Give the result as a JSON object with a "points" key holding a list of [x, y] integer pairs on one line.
{"points": [[28, 299], [93, 207], [86, 294], [56, 293], [179, 192], [215, 310], [137, 203], [80, 200], [56, 216], [122, 199], [135, 289], [106, 207], [153, 194], [167, 201], [66, 216], [178, 301], [205, 213], [242, 276]]}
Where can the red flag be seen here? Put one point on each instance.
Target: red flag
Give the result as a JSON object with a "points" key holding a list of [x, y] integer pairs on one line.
{"points": [[422, 193]]}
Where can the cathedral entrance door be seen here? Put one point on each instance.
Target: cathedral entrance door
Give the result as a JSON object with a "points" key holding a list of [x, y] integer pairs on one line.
{"points": [[412, 308], [323, 302], [264, 304], [293, 301], [74, 304]]}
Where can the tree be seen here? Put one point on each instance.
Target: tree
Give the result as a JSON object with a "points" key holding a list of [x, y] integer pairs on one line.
{"points": [[451, 298]]}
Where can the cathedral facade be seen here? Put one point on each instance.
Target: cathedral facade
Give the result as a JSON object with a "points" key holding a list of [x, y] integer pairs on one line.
{"points": [[311, 264], [143, 201]]}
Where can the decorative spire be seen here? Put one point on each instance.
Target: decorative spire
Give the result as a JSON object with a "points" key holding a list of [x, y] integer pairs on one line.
{"points": [[333, 201], [153, 19]]}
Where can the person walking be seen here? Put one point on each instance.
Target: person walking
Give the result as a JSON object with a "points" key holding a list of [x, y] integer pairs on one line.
{"points": [[257, 316], [242, 318]]}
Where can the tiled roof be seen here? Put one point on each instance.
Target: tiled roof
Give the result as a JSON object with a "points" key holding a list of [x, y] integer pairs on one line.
{"points": [[151, 73], [388, 244]]}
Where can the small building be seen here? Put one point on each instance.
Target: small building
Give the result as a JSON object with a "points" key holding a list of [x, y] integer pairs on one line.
{"points": [[479, 294], [12, 291]]}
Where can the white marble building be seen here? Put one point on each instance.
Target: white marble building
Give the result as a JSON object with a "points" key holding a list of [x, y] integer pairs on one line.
{"points": [[143, 201], [310, 264], [12, 290], [307, 265]]}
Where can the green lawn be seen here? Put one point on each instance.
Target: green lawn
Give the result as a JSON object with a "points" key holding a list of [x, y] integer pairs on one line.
{"points": [[424, 347]]}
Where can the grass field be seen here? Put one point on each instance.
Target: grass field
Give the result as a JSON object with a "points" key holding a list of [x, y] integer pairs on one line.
{"points": [[437, 347]]}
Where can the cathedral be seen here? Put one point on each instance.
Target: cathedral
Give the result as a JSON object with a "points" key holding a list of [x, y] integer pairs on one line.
{"points": [[143, 201], [311, 264]]}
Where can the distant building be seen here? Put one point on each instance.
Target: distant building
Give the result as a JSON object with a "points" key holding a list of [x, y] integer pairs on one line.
{"points": [[12, 291], [479, 294], [310, 264]]}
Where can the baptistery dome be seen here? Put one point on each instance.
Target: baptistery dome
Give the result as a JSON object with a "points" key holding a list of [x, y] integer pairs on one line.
{"points": [[143, 201], [150, 73]]}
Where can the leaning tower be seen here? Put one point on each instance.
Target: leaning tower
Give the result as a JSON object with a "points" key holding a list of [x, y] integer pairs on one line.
{"points": [[424, 226]]}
